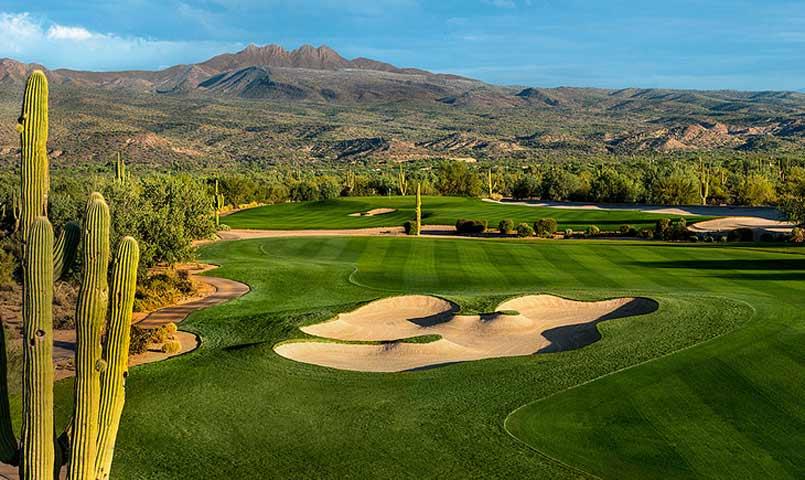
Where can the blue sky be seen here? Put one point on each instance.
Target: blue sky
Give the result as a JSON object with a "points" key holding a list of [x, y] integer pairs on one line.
{"points": [[702, 44]]}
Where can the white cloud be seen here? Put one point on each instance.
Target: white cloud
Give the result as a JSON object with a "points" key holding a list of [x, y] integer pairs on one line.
{"points": [[61, 32], [30, 39]]}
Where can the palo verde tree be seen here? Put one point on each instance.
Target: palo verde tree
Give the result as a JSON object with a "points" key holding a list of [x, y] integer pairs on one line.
{"points": [[100, 369]]}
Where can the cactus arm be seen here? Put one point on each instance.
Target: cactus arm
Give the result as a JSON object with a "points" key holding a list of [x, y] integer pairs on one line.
{"points": [[90, 315], [8, 441], [65, 249], [37, 440], [116, 353], [33, 128]]}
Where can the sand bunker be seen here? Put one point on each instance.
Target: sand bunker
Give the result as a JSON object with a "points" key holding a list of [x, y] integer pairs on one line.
{"points": [[758, 225], [373, 212], [531, 324]]}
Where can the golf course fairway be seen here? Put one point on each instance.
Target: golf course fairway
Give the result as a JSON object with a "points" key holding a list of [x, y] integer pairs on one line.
{"points": [[708, 386]]}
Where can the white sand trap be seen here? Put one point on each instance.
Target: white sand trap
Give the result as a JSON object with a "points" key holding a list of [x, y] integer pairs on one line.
{"points": [[758, 225], [544, 323], [373, 212]]}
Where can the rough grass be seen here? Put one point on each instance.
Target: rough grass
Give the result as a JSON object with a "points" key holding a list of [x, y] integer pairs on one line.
{"points": [[436, 211], [235, 409]]}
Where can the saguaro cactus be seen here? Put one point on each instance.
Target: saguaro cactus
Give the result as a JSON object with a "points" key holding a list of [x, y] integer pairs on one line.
{"points": [[418, 209], [33, 128], [100, 374], [116, 353], [36, 442], [93, 299], [120, 170], [218, 203], [402, 181]]}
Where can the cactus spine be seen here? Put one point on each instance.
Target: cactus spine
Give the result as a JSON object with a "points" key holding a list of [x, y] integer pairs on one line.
{"points": [[37, 441], [418, 209], [116, 353], [90, 313], [98, 392]]}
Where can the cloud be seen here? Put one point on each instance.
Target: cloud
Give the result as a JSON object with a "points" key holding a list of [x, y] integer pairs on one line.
{"points": [[32, 39], [61, 32]]}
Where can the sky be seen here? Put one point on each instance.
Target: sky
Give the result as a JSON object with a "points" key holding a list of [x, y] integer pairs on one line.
{"points": [[693, 44]]}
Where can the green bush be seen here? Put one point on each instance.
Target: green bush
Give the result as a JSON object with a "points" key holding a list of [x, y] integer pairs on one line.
{"points": [[798, 235], [471, 226], [628, 231], [569, 233], [410, 227], [741, 235], [545, 227], [593, 231], [647, 233], [525, 230], [506, 226], [662, 229]]}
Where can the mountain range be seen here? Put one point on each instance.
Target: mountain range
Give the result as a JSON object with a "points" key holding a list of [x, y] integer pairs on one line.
{"points": [[267, 104]]}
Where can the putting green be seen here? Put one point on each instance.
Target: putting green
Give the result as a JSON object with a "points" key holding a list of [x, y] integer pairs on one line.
{"points": [[436, 211], [708, 385]]}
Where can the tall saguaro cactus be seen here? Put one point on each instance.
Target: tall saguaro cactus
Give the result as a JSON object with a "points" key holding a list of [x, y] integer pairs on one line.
{"points": [[218, 203], [93, 299], [402, 181], [36, 440], [100, 372], [418, 209], [33, 128], [120, 170]]}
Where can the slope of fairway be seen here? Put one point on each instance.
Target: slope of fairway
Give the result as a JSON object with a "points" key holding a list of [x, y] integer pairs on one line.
{"points": [[235, 409], [436, 211]]}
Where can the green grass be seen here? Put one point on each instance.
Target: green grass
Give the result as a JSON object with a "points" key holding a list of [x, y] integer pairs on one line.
{"points": [[709, 386], [436, 211]]}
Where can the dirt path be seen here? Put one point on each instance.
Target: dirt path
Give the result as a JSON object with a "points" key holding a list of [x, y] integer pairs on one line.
{"points": [[221, 290]]}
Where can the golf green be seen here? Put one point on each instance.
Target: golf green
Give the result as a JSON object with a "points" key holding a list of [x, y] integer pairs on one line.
{"points": [[709, 386], [435, 211]]}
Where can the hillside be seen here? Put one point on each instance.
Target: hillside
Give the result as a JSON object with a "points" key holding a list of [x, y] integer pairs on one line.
{"points": [[266, 105]]}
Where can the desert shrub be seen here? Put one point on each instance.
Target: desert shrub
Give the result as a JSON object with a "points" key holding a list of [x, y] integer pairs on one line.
{"points": [[798, 235], [526, 187], [171, 346], [647, 233], [569, 233], [741, 235], [506, 226], [470, 226], [164, 288], [329, 187], [171, 328], [8, 266], [224, 227], [160, 335], [662, 229], [456, 178], [496, 197], [139, 339], [593, 231], [545, 227], [525, 230]]}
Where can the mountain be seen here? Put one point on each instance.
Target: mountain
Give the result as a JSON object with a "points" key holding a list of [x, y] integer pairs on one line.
{"points": [[271, 72], [266, 105]]}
